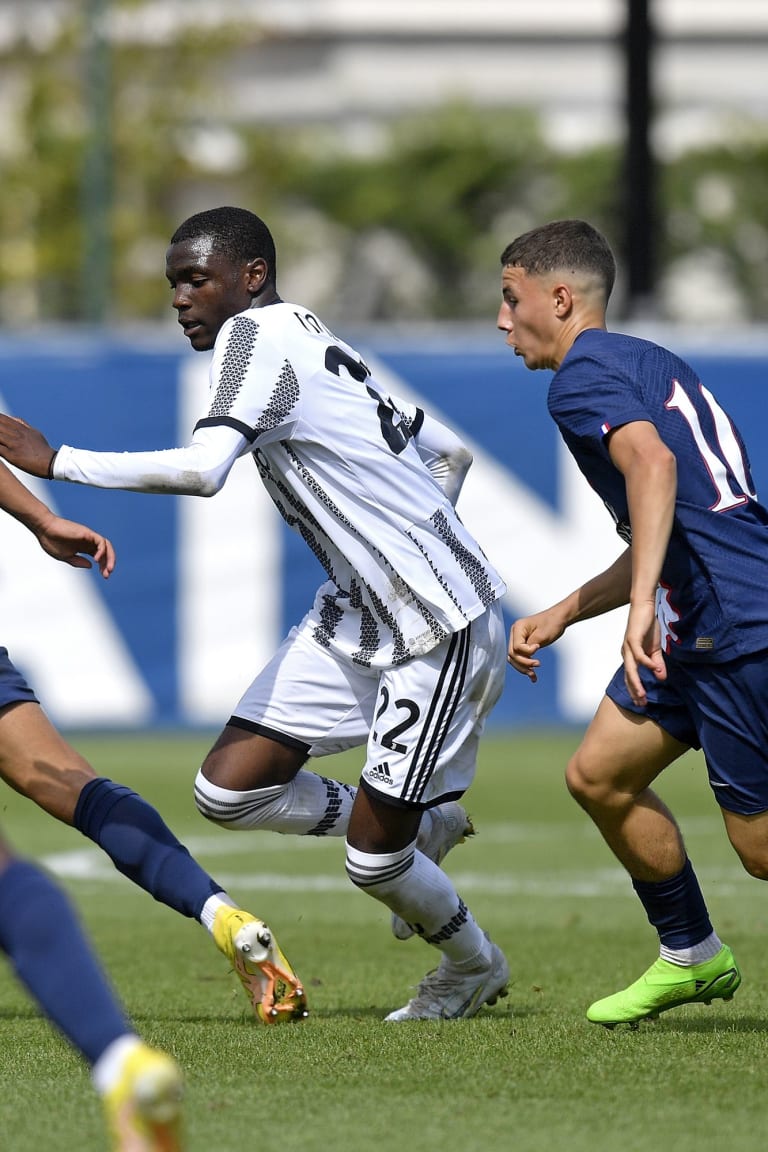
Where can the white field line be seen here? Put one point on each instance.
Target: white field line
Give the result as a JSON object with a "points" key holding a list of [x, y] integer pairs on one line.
{"points": [[90, 864]]}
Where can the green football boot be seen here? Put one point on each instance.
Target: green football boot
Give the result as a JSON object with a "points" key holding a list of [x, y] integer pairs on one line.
{"points": [[666, 986]]}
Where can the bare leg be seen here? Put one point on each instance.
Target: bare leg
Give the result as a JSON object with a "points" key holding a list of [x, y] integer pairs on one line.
{"points": [[241, 760], [749, 836], [36, 761], [248, 781], [610, 776]]}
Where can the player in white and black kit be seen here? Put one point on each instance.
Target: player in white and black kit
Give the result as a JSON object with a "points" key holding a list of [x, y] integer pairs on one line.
{"points": [[404, 648]]}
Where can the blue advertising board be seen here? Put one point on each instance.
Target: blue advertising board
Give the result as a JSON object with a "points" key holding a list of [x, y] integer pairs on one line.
{"points": [[204, 589]]}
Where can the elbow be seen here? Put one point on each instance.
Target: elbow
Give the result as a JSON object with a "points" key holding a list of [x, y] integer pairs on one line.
{"points": [[208, 487], [200, 484], [672, 467], [462, 459], [668, 471], [459, 464]]}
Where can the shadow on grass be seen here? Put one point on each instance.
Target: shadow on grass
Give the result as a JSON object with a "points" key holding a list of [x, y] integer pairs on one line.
{"points": [[344, 1012], [350, 1012], [691, 1026], [735, 1024], [20, 1014]]}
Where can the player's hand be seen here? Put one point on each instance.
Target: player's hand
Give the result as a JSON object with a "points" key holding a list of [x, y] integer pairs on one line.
{"points": [[642, 649], [24, 446], [527, 636], [65, 540]]}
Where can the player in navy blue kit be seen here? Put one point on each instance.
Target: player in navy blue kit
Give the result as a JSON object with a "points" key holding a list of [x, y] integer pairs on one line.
{"points": [[141, 1087], [38, 762], [673, 471]]}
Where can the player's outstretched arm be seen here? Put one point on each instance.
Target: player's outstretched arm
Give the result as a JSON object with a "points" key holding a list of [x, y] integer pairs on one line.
{"points": [[63, 539], [25, 447], [608, 590]]}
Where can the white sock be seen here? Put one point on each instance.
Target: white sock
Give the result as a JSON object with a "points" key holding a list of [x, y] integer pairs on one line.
{"points": [[309, 805], [211, 907], [107, 1069], [696, 954], [421, 893]]}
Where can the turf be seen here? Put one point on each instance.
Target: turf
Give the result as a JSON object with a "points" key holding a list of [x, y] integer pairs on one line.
{"points": [[530, 1074]]}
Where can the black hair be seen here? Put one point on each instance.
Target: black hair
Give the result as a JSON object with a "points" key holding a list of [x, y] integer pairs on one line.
{"points": [[561, 244], [238, 234]]}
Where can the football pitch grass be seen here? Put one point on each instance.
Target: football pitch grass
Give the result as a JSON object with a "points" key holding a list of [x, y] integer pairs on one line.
{"points": [[529, 1074]]}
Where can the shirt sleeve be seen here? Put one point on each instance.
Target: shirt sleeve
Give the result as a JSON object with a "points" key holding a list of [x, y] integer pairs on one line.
{"points": [[589, 398], [199, 469], [253, 394], [254, 388], [445, 455]]}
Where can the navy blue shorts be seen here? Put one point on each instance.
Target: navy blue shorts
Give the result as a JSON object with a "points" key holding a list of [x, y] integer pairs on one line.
{"points": [[722, 709], [13, 686]]}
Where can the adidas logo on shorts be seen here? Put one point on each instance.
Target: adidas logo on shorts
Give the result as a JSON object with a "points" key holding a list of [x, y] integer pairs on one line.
{"points": [[380, 773]]}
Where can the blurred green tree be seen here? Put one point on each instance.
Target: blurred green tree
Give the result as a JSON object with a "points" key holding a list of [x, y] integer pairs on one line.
{"points": [[157, 96], [408, 227], [429, 207], [716, 224]]}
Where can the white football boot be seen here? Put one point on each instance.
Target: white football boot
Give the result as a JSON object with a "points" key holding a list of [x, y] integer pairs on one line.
{"points": [[450, 993]]}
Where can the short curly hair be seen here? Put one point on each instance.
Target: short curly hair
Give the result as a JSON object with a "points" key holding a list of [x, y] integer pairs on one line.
{"points": [[238, 234]]}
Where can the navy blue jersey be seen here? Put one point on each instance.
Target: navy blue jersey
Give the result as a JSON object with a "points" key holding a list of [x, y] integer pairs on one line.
{"points": [[13, 686], [713, 598]]}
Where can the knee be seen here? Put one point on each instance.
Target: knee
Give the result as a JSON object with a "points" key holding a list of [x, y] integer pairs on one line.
{"points": [[749, 838], [756, 864], [588, 788]]}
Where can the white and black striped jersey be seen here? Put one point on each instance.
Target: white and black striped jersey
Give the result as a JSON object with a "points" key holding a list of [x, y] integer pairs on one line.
{"points": [[340, 459]]}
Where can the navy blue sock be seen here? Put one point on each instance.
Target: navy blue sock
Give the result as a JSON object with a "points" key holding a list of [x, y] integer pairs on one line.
{"points": [[142, 846], [676, 908], [41, 935]]}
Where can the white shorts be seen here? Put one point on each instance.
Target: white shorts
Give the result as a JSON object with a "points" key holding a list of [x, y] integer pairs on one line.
{"points": [[421, 721]]}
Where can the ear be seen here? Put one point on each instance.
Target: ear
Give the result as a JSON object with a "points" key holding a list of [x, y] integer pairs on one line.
{"points": [[562, 299], [256, 275]]}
